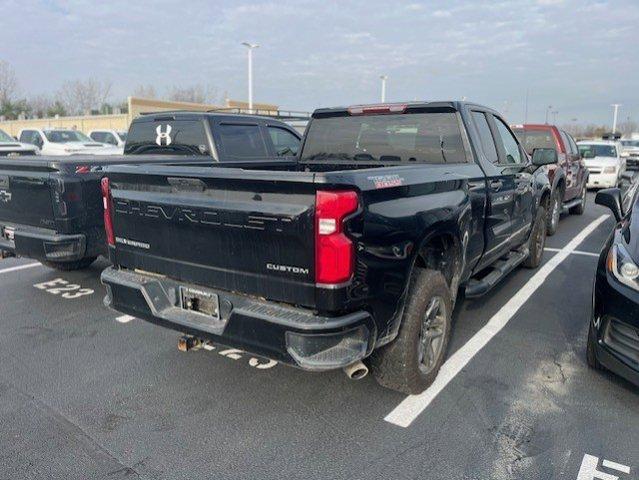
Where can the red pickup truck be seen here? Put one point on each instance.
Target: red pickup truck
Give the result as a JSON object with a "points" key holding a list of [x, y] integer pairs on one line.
{"points": [[568, 176]]}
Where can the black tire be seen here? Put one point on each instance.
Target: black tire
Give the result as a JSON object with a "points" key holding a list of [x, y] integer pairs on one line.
{"points": [[69, 266], [398, 365], [581, 208], [591, 350], [552, 222], [537, 240]]}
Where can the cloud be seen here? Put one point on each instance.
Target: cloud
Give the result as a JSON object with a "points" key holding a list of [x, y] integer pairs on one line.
{"points": [[332, 52]]}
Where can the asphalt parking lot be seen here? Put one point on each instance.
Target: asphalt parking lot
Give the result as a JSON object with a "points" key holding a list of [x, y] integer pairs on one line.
{"points": [[85, 393]]}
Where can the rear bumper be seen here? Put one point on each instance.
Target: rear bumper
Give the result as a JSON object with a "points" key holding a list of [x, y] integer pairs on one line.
{"points": [[632, 162], [42, 244], [287, 334], [600, 180]]}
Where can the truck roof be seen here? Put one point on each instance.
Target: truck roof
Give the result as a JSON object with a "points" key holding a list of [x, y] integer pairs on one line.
{"points": [[189, 113], [413, 105], [535, 126]]}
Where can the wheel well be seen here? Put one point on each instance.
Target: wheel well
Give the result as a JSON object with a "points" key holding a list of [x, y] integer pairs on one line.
{"points": [[440, 253], [561, 186]]}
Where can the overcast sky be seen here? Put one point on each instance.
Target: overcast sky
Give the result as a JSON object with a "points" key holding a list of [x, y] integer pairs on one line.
{"points": [[578, 56]]}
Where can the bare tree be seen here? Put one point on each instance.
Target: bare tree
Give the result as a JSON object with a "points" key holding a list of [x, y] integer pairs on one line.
{"points": [[145, 91], [8, 82], [81, 96], [40, 105], [195, 93]]}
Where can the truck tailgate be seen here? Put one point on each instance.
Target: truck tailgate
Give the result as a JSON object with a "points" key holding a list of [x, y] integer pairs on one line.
{"points": [[25, 194], [231, 229]]}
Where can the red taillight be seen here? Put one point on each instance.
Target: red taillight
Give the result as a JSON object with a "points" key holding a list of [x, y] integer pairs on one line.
{"points": [[334, 253], [108, 218], [380, 109]]}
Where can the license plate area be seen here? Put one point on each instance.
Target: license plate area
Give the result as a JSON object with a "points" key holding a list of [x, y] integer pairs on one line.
{"points": [[201, 302]]}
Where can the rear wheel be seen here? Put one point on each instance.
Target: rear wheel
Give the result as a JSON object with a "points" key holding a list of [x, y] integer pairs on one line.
{"points": [[69, 266], [554, 214], [537, 240], [410, 363], [581, 208], [591, 350]]}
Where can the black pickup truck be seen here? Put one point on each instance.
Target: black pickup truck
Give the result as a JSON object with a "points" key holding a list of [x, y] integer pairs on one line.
{"points": [[358, 251], [51, 207]]}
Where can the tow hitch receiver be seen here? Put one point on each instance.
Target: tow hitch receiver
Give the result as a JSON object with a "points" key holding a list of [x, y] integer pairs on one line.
{"points": [[187, 343]]}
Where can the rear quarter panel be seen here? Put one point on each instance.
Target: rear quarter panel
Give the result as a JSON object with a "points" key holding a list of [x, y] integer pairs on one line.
{"points": [[401, 212]]}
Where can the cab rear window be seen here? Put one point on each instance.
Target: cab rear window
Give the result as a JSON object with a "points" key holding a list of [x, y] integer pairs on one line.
{"points": [[531, 139], [171, 137], [398, 138]]}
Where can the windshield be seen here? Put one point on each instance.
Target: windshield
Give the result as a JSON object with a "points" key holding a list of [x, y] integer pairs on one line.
{"points": [[630, 143], [531, 139], [594, 150], [417, 137], [5, 137], [63, 136]]}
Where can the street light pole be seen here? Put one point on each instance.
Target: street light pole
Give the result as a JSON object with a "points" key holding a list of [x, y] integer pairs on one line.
{"points": [[250, 47], [548, 110], [614, 118], [384, 78]]}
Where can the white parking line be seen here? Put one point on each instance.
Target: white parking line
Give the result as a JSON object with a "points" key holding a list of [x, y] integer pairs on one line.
{"points": [[125, 318], [20, 267], [575, 252], [413, 405]]}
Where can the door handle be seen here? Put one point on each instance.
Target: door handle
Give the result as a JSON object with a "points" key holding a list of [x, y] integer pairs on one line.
{"points": [[496, 184]]}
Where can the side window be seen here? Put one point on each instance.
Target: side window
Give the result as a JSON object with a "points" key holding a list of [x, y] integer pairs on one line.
{"points": [[32, 137], [566, 142], [573, 145], [513, 153], [487, 142], [97, 136], [286, 144], [109, 138], [28, 136], [242, 141]]}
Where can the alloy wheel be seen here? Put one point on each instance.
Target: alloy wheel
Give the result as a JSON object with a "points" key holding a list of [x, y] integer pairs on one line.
{"points": [[431, 339]]}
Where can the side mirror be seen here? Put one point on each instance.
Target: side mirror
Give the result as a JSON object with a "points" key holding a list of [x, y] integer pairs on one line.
{"points": [[544, 156], [611, 198]]}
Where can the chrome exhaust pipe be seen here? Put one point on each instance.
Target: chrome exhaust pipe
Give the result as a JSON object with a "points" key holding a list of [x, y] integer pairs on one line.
{"points": [[356, 371]]}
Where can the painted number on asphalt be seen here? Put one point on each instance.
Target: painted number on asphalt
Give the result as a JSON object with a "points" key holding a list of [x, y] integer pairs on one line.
{"points": [[235, 354], [61, 287], [590, 469]]}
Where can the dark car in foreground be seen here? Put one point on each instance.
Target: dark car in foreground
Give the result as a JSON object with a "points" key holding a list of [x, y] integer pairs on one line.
{"points": [[568, 177], [613, 336], [356, 251], [51, 206]]}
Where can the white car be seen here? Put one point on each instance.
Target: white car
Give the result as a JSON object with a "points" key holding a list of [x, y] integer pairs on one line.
{"points": [[116, 138], [604, 162], [60, 141], [10, 147], [630, 150]]}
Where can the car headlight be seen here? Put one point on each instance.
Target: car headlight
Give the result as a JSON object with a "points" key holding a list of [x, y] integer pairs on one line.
{"points": [[623, 267], [610, 170]]}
